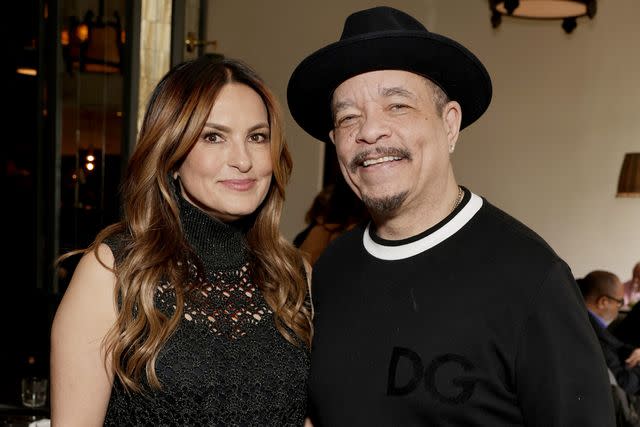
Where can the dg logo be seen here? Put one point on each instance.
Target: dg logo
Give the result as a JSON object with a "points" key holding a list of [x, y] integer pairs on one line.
{"points": [[463, 386]]}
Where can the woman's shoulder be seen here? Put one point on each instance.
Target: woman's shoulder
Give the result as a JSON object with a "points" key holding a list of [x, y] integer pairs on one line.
{"points": [[90, 291], [117, 239]]}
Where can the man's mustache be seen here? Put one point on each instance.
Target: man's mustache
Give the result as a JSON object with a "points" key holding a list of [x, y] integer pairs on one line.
{"points": [[359, 158]]}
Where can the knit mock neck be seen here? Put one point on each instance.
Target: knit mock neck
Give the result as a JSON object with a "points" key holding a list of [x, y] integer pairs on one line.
{"points": [[220, 245], [223, 363]]}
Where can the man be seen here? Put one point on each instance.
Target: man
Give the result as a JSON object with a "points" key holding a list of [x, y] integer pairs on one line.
{"points": [[603, 295], [443, 310]]}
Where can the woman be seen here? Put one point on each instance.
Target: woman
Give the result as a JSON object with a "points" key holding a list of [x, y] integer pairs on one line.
{"points": [[193, 310]]}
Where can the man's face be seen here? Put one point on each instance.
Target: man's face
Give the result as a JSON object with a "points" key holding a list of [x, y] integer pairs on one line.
{"points": [[392, 143]]}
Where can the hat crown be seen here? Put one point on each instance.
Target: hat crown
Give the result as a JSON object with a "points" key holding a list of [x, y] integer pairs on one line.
{"points": [[379, 19], [384, 38]]}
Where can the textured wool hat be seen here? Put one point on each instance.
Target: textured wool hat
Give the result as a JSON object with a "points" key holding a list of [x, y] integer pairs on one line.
{"points": [[384, 38]]}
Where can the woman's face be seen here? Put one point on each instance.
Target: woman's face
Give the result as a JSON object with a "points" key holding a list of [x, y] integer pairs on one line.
{"points": [[228, 171]]}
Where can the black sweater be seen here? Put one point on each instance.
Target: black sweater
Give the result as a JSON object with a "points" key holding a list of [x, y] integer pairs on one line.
{"points": [[475, 322]]}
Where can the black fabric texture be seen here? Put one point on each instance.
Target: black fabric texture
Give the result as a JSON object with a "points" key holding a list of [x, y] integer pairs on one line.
{"points": [[628, 329], [486, 328], [226, 364]]}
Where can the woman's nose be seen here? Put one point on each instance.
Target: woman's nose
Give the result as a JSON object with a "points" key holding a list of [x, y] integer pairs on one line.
{"points": [[239, 157]]}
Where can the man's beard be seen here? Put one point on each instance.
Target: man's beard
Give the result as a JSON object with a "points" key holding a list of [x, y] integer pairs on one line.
{"points": [[381, 206], [384, 206]]}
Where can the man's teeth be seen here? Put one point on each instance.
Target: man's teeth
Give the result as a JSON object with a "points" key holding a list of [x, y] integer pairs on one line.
{"points": [[380, 160]]}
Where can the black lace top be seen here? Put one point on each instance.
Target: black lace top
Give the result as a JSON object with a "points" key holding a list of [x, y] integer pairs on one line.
{"points": [[226, 364]]}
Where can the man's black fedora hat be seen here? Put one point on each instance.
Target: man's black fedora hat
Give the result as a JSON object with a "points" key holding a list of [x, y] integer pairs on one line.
{"points": [[383, 38]]}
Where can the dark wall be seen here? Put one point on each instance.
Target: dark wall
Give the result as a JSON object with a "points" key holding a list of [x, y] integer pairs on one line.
{"points": [[25, 308]]}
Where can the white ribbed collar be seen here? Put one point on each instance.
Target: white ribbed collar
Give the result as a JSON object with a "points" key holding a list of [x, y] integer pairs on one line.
{"points": [[443, 232]]}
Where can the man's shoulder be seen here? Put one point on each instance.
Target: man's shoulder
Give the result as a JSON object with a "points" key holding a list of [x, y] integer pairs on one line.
{"points": [[342, 246], [503, 230], [503, 246]]}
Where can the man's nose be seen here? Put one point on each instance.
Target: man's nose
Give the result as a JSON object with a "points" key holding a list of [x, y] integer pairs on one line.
{"points": [[372, 129]]}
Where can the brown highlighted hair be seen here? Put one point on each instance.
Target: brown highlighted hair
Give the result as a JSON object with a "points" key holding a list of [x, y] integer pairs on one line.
{"points": [[175, 116]]}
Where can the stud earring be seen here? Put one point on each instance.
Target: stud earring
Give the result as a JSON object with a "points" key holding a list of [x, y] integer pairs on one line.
{"points": [[451, 148]]}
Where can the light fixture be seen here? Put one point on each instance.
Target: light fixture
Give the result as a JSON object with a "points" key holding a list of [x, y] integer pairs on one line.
{"points": [[629, 180], [28, 60], [566, 10], [94, 44], [27, 71]]}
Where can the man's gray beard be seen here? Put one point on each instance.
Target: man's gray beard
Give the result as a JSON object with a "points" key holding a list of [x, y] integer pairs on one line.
{"points": [[384, 206]]}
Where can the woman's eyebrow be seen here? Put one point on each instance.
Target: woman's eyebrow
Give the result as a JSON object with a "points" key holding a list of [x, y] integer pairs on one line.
{"points": [[224, 128]]}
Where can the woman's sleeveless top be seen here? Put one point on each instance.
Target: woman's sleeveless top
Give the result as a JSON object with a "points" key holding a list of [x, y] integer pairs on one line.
{"points": [[226, 364]]}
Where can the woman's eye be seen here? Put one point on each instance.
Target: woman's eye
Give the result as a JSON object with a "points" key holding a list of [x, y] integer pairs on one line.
{"points": [[212, 138], [258, 137]]}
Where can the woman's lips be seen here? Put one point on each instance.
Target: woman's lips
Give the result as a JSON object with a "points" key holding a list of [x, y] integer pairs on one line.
{"points": [[239, 184]]}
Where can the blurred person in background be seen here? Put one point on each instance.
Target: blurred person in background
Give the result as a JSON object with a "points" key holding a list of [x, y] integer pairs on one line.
{"points": [[604, 296], [632, 287], [627, 328], [335, 209]]}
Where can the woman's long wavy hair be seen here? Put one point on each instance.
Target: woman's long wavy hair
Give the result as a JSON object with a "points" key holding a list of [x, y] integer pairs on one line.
{"points": [[155, 245]]}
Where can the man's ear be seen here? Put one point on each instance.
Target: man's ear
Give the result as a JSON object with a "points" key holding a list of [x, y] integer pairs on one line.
{"points": [[452, 118], [601, 301], [331, 137]]}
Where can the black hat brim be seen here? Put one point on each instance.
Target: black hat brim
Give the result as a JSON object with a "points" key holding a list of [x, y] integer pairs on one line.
{"points": [[444, 61]]}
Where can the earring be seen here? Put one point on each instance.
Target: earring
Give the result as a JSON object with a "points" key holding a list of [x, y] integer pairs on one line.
{"points": [[451, 148]]}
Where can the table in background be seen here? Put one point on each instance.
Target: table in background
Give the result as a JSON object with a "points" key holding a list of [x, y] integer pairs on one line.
{"points": [[21, 416]]}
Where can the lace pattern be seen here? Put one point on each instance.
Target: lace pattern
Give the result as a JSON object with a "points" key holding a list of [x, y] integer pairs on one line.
{"points": [[226, 364], [230, 304]]}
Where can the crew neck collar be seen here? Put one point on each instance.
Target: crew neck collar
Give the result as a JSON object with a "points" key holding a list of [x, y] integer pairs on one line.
{"points": [[391, 250]]}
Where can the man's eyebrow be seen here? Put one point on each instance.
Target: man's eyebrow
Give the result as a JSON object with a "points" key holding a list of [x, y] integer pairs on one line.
{"points": [[396, 91], [341, 106], [384, 92]]}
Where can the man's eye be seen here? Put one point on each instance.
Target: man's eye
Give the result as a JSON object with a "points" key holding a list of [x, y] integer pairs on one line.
{"points": [[345, 120], [398, 107]]}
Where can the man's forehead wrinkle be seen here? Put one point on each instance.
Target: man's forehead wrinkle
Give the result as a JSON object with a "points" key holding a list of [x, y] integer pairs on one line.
{"points": [[341, 105], [372, 91], [396, 91]]}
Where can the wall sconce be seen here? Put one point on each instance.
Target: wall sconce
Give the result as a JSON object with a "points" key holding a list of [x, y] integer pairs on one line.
{"points": [[629, 180], [566, 10]]}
